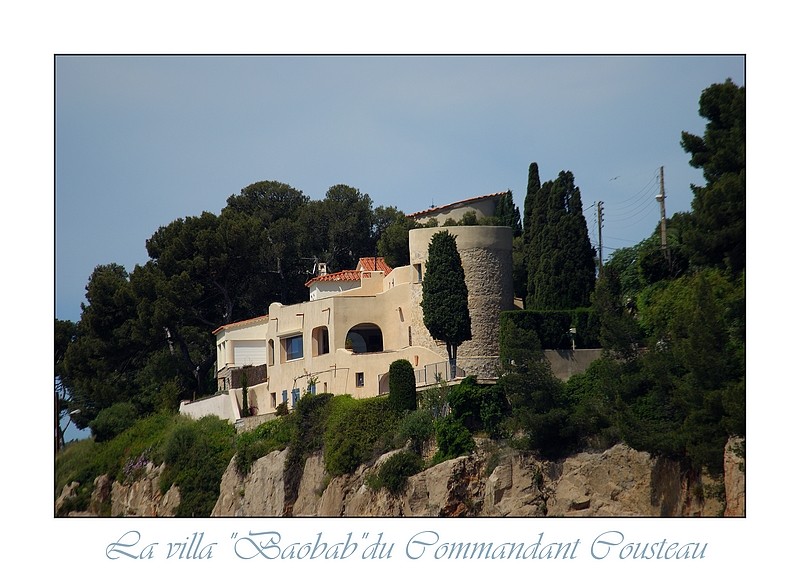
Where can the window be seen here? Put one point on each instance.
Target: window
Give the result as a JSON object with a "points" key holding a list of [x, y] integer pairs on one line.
{"points": [[274, 399], [284, 396], [359, 379], [417, 273], [271, 352], [295, 396], [293, 347]]}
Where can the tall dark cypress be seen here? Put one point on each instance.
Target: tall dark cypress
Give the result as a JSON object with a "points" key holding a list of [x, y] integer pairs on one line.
{"points": [[561, 268]]}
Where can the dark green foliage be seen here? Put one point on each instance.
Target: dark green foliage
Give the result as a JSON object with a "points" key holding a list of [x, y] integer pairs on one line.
{"points": [[394, 472], [452, 439], [619, 333], [393, 241], [540, 408], [519, 342], [356, 431], [592, 400], [506, 214], [271, 436], [478, 407], [414, 429], [444, 295], [308, 426], [524, 332], [196, 455], [113, 420], [560, 257], [402, 386], [718, 208]]}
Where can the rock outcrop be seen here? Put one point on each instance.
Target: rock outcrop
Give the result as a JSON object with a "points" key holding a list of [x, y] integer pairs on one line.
{"points": [[492, 482]]}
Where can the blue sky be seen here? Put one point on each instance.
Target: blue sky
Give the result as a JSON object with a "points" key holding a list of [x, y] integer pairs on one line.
{"points": [[142, 141]]}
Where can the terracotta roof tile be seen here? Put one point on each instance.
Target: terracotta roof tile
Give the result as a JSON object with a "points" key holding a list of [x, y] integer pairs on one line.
{"points": [[241, 323], [371, 263], [366, 264]]}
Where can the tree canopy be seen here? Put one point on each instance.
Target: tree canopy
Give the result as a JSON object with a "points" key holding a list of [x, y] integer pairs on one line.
{"points": [[718, 208], [144, 337]]}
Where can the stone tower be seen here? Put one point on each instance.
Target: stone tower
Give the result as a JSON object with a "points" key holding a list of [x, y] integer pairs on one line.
{"points": [[486, 257]]}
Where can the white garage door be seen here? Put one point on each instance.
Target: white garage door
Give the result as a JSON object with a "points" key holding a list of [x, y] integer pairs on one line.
{"points": [[249, 352]]}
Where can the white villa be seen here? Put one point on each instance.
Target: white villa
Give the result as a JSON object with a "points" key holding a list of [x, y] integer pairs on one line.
{"points": [[356, 323]]}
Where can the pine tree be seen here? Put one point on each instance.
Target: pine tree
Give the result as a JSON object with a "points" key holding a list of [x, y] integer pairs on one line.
{"points": [[718, 208], [445, 310]]}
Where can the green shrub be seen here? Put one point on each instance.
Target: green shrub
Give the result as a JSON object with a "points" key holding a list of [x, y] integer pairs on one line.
{"points": [[357, 431], [402, 386], [394, 472], [196, 454], [307, 425], [551, 328], [113, 420], [416, 427], [274, 435], [478, 407], [453, 439]]}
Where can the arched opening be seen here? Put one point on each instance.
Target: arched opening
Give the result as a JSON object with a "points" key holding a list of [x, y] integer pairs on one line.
{"points": [[364, 338], [319, 337]]}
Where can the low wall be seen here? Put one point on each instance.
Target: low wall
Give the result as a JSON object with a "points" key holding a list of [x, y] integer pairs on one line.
{"points": [[218, 405], [566, 363]]}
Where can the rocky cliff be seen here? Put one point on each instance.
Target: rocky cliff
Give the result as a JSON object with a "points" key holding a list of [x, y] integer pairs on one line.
{"points": [[491, 482]]}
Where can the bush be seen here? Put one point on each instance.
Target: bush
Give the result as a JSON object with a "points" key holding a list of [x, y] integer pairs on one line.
{"points": [[271, 436], [452, 439], [307, 427], [416, 427], [402, 386], [551, 328], [196, 454], [113, 420], [478, 407], [357, 431], [393, 474]]}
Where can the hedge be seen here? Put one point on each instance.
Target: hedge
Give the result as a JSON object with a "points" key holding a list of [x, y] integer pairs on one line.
{"points": [[552, 327]]}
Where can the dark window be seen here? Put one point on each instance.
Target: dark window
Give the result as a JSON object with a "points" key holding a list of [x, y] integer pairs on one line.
{"points": [[293, 347]]}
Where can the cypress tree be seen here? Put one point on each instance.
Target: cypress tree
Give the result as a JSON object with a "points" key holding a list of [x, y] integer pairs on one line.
{"points": [[445, 311], [402, 386], [560, 257]]}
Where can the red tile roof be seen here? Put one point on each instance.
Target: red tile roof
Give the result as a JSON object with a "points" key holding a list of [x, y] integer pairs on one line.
{"points": [[372, 263], [455, 204], [366, 264], [241, 323]]}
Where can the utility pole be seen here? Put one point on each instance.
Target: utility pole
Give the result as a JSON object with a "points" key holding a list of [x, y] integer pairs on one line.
{"points": [[660, 198], [600, 235]]}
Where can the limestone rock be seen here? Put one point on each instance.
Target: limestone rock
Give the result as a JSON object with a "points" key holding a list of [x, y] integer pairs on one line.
{"points": [[491, 482], [734, 477], [259, 493], [616, 482], [143, 496]]}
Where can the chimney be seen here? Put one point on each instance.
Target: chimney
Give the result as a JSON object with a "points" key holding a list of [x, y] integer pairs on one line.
{"points": [[322, 268]]}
